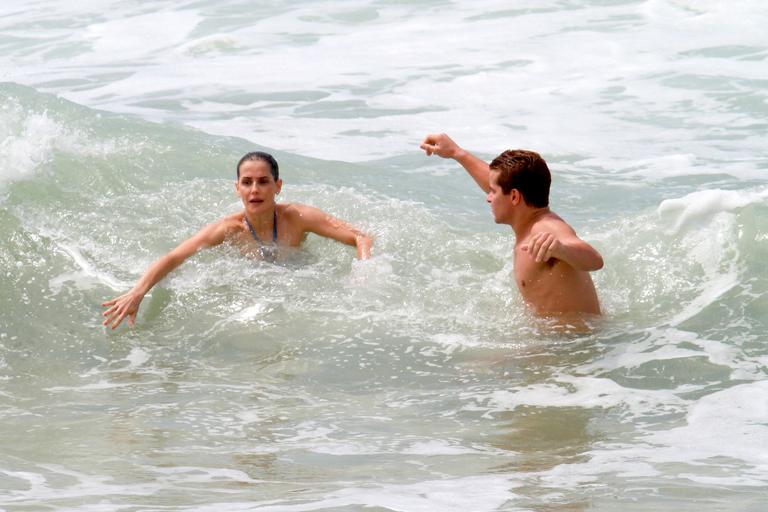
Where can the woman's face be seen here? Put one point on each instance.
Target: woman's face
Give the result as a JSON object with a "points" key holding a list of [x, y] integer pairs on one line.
{"points": [[256, 186]]}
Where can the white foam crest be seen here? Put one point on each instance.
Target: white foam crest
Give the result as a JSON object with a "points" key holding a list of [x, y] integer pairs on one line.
{"points": [[252, 416], [250, 314], [370, 274], [652, 169], [26, 145], [706, 222], [136, 37], [407, 63], [214, 44], [136, 358], [432, 447], [714, 289], [198, 474], [575, 475], [682, 260], [426, 447], [311, 431], [326, 439], [87, 277], [101, 385], [698, 208], [663, 344], [41, 490], [476, 493], [584, 392], [102, 373], [28, 140], [744, 17], [728, 424]]}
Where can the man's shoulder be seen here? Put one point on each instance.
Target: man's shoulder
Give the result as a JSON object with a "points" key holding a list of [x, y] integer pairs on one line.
{"points": [[553, 223], [547, 221]]}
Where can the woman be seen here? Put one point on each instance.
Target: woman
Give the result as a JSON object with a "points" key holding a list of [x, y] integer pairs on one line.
{"points": [[261, 227]]}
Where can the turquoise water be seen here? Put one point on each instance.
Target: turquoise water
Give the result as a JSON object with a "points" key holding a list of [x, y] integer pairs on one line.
{"points": [[416, 380]]}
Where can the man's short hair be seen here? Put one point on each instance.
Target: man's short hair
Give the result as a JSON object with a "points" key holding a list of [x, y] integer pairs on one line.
{"points": [[260, 156], [527, 172]]}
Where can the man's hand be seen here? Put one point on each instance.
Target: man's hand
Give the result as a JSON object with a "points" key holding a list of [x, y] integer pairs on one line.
{"points": [[563, 246], [440, 145], [543, 247]]}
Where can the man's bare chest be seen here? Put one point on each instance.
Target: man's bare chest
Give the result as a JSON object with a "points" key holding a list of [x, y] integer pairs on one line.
{"points": [[531, 275]]}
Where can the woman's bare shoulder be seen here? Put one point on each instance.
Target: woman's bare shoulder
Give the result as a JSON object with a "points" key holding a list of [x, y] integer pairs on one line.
{"points": [[294, 210], [231, 223], [236, 217]]}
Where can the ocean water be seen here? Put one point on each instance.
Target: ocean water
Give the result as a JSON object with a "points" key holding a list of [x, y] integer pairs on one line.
{"points": [[416, 381]]}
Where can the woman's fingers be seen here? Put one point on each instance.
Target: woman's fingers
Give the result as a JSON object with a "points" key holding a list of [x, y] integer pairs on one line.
{"points": [[117, 312], [119, 320]]}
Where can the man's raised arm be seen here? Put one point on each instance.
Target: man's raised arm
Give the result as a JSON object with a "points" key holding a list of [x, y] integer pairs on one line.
{"points": [[442, 145]]}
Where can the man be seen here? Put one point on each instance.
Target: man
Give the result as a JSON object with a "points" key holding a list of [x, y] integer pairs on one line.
{"points": [[552, 263], [261, 229]]}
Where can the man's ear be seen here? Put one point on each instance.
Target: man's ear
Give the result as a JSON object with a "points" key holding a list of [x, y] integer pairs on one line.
{"points": [[515, 196]]}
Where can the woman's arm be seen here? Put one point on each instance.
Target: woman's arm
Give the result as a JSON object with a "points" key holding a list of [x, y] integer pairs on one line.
{"points": [[318, 222], [128, 303]]}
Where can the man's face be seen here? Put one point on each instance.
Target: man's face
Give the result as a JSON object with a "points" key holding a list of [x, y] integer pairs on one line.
{"points": [[501, 205]]}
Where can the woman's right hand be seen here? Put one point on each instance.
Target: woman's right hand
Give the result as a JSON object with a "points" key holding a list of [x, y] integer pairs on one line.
{"points": [[122, 306]]}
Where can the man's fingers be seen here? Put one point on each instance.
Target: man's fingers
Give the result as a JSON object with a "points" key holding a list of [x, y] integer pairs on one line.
{"points": [[540, 247], [431, 144], [430, 139], [534, 247], [543, 253], [109, 303]]}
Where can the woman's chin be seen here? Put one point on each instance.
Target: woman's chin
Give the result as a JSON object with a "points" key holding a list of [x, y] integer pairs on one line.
{"points": [[257, 208]]}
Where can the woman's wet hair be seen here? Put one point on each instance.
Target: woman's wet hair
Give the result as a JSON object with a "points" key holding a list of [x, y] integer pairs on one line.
{"points": [[255, 156]]}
